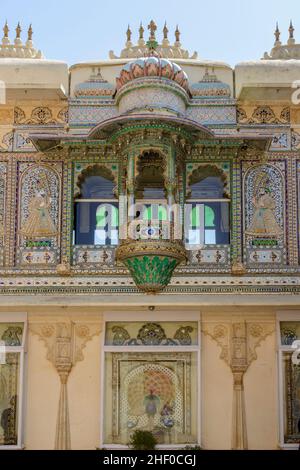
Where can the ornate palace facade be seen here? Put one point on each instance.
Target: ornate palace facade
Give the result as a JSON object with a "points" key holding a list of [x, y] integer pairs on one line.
{"points": [[149, 247]]}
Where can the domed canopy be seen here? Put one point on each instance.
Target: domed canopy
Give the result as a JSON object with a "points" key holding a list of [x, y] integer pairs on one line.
{"points": [[210, 87], [152, 67], [95, 87]]}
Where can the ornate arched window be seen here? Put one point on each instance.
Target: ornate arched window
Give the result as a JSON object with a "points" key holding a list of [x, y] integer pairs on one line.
{"points": [[208, 207], [96, 215], [150, 180]]}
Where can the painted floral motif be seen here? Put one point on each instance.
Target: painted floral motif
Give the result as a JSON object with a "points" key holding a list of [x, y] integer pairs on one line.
{"points": [[151, 334], [2, 200]]}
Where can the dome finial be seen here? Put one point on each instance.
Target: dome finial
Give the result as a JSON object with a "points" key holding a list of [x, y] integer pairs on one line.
{"points": [[152, 28], [128, 34], [177, 35], [165, 31], [277, 36], [5, 39], [18, 30], [6, 29], [141, 32], [291, 39], [30, 33], [141, 41]]}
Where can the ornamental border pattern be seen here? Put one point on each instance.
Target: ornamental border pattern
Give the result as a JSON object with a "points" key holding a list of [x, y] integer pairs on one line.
{"points": [[110, 156]]}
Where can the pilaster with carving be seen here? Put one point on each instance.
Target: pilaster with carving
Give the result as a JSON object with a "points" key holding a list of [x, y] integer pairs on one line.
{"points": [[238, 340], [65, 341]]}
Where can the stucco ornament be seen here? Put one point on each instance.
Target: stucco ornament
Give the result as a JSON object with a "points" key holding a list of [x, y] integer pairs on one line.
{"points": [[65, 342], [239, 340]]}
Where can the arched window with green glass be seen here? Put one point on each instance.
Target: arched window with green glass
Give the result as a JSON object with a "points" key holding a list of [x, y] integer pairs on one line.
{"points": [[96, 212], [207, 207]]}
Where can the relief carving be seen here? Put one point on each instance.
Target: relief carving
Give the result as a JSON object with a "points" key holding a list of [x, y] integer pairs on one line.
{"points": [[238, 341], [65, 342]]}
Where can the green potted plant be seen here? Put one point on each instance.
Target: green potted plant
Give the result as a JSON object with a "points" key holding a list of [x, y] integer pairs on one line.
{"points": [[142, 440]]}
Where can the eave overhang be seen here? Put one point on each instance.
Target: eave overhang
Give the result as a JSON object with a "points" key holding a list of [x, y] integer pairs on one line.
{"points": [[110, 129]]}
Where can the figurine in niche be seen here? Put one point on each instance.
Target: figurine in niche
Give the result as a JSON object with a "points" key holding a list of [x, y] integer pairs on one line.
{"points": [[39, 222], [151, 403], [263, 222]]}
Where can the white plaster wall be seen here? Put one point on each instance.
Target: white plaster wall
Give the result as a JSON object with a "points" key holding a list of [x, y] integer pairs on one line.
{"points": [[266, 72], [216, 397], [261, 390], [42, 386], [110, 69], [22, 72], [84, 398]]}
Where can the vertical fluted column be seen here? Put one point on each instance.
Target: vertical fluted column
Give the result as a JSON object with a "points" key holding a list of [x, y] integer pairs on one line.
{"points": [[239, 429], [65, 342], [237, 267], [63, 433], [239, 339], [130, 185]]}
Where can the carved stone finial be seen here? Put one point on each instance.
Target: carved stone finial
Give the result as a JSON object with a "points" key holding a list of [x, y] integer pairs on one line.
{"points": [[128, 34], [141, 31], [152, 28], [18, 31], [30, 33], [277, 36], [291, 39], [177, 34], [165, 31], [6, 30]]}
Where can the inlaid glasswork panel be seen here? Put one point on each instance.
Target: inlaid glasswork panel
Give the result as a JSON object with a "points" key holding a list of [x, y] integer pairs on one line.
{"points": [[291, 374], [151, 334], [290, 332], [9, 397], [11, 334], [151, 391]]}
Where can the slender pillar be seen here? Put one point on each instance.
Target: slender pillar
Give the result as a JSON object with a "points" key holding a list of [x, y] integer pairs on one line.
{"points": [[130, 186], [63, 433], [239, 429]]}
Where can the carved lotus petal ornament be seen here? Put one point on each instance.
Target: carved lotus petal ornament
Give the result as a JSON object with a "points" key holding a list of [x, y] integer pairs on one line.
{"points": [[151, 262]]}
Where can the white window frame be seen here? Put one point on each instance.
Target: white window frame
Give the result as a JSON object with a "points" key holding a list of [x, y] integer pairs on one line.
{"points": [[202, 229], [13, 317], [155, 317], [287, 316]]}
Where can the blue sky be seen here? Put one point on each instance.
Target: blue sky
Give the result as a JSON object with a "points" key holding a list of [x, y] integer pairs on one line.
{"points": [[228, 30]]}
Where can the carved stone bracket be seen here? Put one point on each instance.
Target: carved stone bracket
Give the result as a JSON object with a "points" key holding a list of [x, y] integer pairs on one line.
{"points": [[65, 342], [238, 340]]}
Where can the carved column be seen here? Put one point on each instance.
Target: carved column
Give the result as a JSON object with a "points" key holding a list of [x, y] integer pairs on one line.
{"points": [[239, 429], [237, 267], [130, 183], [238, 339], [64, 342]]}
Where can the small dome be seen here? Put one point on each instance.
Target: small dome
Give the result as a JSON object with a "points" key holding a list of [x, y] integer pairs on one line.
{"points": [[95, 87], [152, 67], [210, 87]]}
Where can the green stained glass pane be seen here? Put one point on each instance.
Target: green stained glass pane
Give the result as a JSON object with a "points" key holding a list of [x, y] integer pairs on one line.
{"points": [[101, 217], [114, 216], [162, 213], [195, 217], [147, 213], [209, 217], [103, 213]]}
